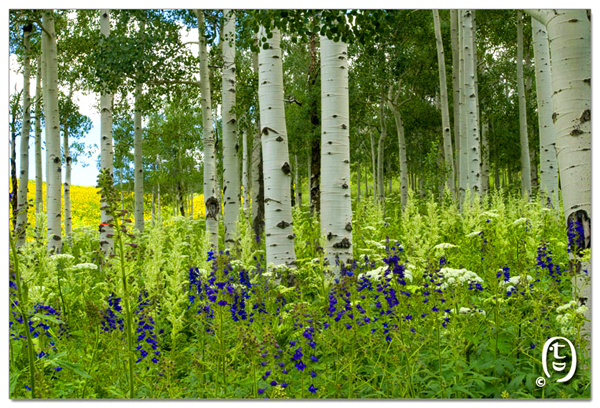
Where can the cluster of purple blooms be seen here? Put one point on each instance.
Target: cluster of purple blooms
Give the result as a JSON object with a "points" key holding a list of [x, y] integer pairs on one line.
{"points": [[544, 261], [145, 331], [110, 320]]}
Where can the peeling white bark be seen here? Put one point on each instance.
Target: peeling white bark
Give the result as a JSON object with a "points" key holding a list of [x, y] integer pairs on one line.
{"points": [[569, 36], [52, 120], [231, 173], [472, 122], [525, 163], [543, 80], [336, 206], [39, 198], [447, 133], [106, 146], [23, 206], [277, 177], [67, 183], [212, 195]]}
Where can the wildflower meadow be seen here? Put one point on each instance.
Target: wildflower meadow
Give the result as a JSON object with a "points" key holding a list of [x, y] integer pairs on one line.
{"points": [[436, 304]]}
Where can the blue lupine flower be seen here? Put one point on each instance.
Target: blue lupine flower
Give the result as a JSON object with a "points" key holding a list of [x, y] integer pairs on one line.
{"points": [[313, 389]]}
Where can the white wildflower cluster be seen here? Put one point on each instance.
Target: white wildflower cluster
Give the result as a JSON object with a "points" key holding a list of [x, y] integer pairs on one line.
{"points": [[515, 280], [375, 274], [452, 277], [471, 310], [444, 245], [489, 214], [568, 320], [86, 266], [369, 228], [237, 263], [474, 234]]}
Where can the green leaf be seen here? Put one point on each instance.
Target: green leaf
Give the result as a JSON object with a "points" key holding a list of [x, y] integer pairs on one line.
{"points": [[72, 366], [48, 318]]}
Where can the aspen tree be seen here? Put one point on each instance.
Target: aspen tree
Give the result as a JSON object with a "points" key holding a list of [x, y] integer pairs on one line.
{"points": [[39, 199], [52, 120], [106, 146], [211, 193], [525, 159], [23, 205], [231, 176], [569, 36], [138, 170], [543, 81], [277, 177], [447, 133], [336, 208]]}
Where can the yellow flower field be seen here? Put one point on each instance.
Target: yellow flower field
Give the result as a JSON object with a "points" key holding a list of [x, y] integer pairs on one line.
{"points": [[85, 205]]}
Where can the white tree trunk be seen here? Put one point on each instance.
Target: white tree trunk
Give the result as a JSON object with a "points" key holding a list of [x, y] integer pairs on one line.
{"points": [[67, 184], [278, 209], [23, 205], [456, 91], [212, 201], [52, 119], [382, 136], [373, 165], [525, 162], [39, 198], [569, 36], [447, 133], [138, 179], [245, 186], [543, 80], [231, 173], [402, 155], [472, 123], [464, 162], [336, 206], [106, 146]]}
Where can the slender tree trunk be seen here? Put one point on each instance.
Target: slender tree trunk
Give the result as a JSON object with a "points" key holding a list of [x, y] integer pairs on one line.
{"points": [[358, 182], [53, 181], [258, 190], [373, 165], [472, 123], [67, 184], [543, 80], [14, 201], [212, 201], [464, 162], [23, 205], [496, 178], [380, 185], [298, 187], [106, 147], [154, 203], [402, 155], [525, 163], [569, 36], [308, 175], [336, 205], [39, 198], [138, 180], [315, 171], [456, 90], [258, 195], [245, 186], [278, 209], [231, 173], [485, 155], [447, 133]]}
